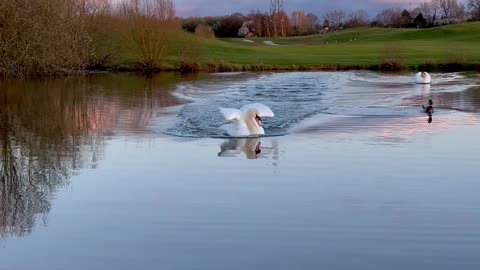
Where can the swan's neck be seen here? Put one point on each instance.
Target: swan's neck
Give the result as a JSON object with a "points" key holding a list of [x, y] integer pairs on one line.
{"points": [[254, 128]]}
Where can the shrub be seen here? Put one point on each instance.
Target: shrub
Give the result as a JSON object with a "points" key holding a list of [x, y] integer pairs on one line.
{"points": [[151, 28], [204, 31], [45, 37], [392, 59]]}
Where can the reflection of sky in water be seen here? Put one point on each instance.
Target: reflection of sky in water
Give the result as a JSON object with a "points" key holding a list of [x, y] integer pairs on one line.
{"points": [[320, 202], [96, 186]]}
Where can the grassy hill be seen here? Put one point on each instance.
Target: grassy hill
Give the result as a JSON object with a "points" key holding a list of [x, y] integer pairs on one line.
{"points": [[456, 45]]}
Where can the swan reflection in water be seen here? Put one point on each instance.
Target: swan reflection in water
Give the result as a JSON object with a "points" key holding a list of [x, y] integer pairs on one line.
{"points": [[423, 90], [251, 147]]}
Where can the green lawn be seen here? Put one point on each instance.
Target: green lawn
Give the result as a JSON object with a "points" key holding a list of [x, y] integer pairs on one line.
{"points": [[360, 47]]}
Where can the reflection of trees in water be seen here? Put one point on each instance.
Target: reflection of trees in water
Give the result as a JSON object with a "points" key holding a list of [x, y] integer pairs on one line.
{"points": [[51, 129], [46, 134]]}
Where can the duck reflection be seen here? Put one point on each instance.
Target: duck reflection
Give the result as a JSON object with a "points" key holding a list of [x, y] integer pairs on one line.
{"points": [[251, 147]]}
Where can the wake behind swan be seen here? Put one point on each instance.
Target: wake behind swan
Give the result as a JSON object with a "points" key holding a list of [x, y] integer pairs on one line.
{"points": [[246, 121]]}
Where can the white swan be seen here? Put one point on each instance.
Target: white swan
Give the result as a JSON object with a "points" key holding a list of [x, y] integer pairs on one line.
{"points": [[247, 120], [423, 77]]}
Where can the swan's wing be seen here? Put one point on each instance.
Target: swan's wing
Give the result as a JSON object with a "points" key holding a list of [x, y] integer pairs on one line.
{"points": [[231, 114], [263, 110], [231, 148], [239, 128]]}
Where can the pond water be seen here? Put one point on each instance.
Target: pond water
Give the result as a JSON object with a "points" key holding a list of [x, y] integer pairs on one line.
{"points": [[122, 171]]}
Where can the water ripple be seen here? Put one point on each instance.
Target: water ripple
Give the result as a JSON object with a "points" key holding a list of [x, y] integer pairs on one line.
{"points": [[295, 97]]}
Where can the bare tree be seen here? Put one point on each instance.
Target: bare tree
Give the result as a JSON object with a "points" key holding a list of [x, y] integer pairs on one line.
{"points": [[335, 18], [259, 26], [447, 7], [474, 4], [93, 9], [313, 22], [299, 22], [430, 11], [390, 17], [100, 23], [451, 9], [357, 18], [474, 7], [151, 23]]}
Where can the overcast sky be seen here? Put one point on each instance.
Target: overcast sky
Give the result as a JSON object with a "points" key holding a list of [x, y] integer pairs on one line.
{"points": [[187, 8]]}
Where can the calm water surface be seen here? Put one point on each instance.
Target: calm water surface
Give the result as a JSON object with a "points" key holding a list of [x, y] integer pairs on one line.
{"points": [[120, 171]]}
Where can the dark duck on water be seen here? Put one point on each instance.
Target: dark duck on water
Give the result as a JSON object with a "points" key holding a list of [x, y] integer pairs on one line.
{"points": [[429, 108]]}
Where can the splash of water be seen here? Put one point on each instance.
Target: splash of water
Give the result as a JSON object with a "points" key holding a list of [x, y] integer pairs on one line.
{"points": [[297, 96]]}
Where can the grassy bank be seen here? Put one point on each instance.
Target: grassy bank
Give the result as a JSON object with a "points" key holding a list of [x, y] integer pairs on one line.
{"points": [[452, 47]]}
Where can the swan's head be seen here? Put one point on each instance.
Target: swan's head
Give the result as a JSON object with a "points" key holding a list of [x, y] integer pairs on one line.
{"points": [[258, 120], [255, 115], [423, 74], [254, 122]]}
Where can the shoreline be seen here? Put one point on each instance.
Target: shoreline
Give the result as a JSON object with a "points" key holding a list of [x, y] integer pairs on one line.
{"points": [[226, 67]]}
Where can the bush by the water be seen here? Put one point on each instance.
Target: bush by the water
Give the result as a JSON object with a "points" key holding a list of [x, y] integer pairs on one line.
{"points": [[45, 36], [150, 30], [60, 37]]}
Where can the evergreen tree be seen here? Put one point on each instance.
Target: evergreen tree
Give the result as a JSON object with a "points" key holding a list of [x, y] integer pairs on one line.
{"points": [[420, 21], [406, 19], [326, 24]]}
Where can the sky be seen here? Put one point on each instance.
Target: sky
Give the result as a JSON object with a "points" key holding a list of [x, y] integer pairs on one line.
{"points": [[187, 8]]}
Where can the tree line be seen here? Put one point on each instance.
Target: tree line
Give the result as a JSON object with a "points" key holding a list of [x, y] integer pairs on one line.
{"points": [[298, 22]]}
